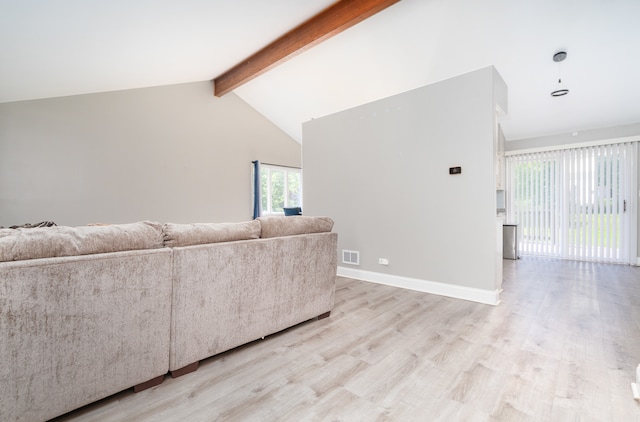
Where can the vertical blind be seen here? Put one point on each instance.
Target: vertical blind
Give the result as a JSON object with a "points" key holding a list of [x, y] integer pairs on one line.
{"points": [[576, 203]]}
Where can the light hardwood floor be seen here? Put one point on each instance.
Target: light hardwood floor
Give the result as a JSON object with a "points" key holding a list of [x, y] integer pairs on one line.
{"points": [[562, 346]]}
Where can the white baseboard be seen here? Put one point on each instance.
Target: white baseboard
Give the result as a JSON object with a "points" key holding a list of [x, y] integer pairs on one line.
{"points": [[638, 262], [489, 297]]}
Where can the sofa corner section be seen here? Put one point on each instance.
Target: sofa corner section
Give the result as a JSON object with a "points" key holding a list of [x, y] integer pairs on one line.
{"points": [[229, 294], [81, 328]]}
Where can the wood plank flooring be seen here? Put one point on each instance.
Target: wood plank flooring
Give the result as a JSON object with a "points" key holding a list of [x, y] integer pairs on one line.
{"points": [[562, 346]]}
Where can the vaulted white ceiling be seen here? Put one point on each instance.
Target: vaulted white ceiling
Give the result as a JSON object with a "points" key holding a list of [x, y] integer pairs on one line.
{"points": [[67, 47]]}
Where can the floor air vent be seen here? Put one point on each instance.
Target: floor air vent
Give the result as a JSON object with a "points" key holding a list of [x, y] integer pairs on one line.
{"points": [[350, 257]]}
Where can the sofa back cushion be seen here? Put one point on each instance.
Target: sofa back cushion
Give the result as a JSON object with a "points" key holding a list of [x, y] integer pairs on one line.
{"points": [[176, 235], [47, 242], [289, 226]]}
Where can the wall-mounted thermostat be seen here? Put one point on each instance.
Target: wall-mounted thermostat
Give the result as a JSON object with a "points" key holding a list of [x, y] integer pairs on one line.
{"points": [[455, 170]]}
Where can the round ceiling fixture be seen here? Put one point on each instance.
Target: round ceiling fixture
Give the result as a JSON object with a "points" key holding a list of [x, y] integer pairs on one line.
{"points": [[560, 92], [559, 57]]}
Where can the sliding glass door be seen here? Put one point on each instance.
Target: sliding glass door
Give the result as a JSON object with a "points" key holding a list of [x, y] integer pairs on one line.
{"points": [[577, 203]]}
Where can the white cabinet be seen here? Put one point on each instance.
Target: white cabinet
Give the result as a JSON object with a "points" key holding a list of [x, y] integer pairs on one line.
{"points": [[500, 171], [499, 158]]}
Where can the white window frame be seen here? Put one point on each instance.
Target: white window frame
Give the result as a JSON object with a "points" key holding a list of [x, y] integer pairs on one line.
{"points": [[268, 210]]}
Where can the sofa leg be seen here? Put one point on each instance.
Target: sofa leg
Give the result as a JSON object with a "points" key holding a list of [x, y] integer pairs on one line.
{"points": [[185, 370], [325, 315], [148, 384]]}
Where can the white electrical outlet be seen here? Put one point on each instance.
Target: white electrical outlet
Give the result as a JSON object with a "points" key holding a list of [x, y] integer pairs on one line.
{"points": [[383, 261]]}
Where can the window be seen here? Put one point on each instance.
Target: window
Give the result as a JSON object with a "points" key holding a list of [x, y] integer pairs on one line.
{"points": [[281, 187], [577, 203]]}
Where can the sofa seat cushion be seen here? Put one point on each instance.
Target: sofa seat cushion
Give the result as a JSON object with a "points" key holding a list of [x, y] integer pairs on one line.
{"points": [[48, 242], [177, 235], [290, 226]]}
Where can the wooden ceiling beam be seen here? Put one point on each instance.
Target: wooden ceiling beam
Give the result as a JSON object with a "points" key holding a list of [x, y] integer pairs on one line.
{"points": [[331, 21]]}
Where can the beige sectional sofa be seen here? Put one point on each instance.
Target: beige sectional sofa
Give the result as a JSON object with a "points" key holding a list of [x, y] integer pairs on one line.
{"points": [[86, 312], [231, 293]]}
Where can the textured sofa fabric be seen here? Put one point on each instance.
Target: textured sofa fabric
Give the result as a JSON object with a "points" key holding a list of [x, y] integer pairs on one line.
{"points": [[47, 242], [280, 226], [228, 294], [79, 328], [203, 233]]}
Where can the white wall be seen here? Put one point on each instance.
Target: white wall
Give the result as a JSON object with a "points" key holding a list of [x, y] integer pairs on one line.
{"points": [[381, 171], [172, 153]]}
